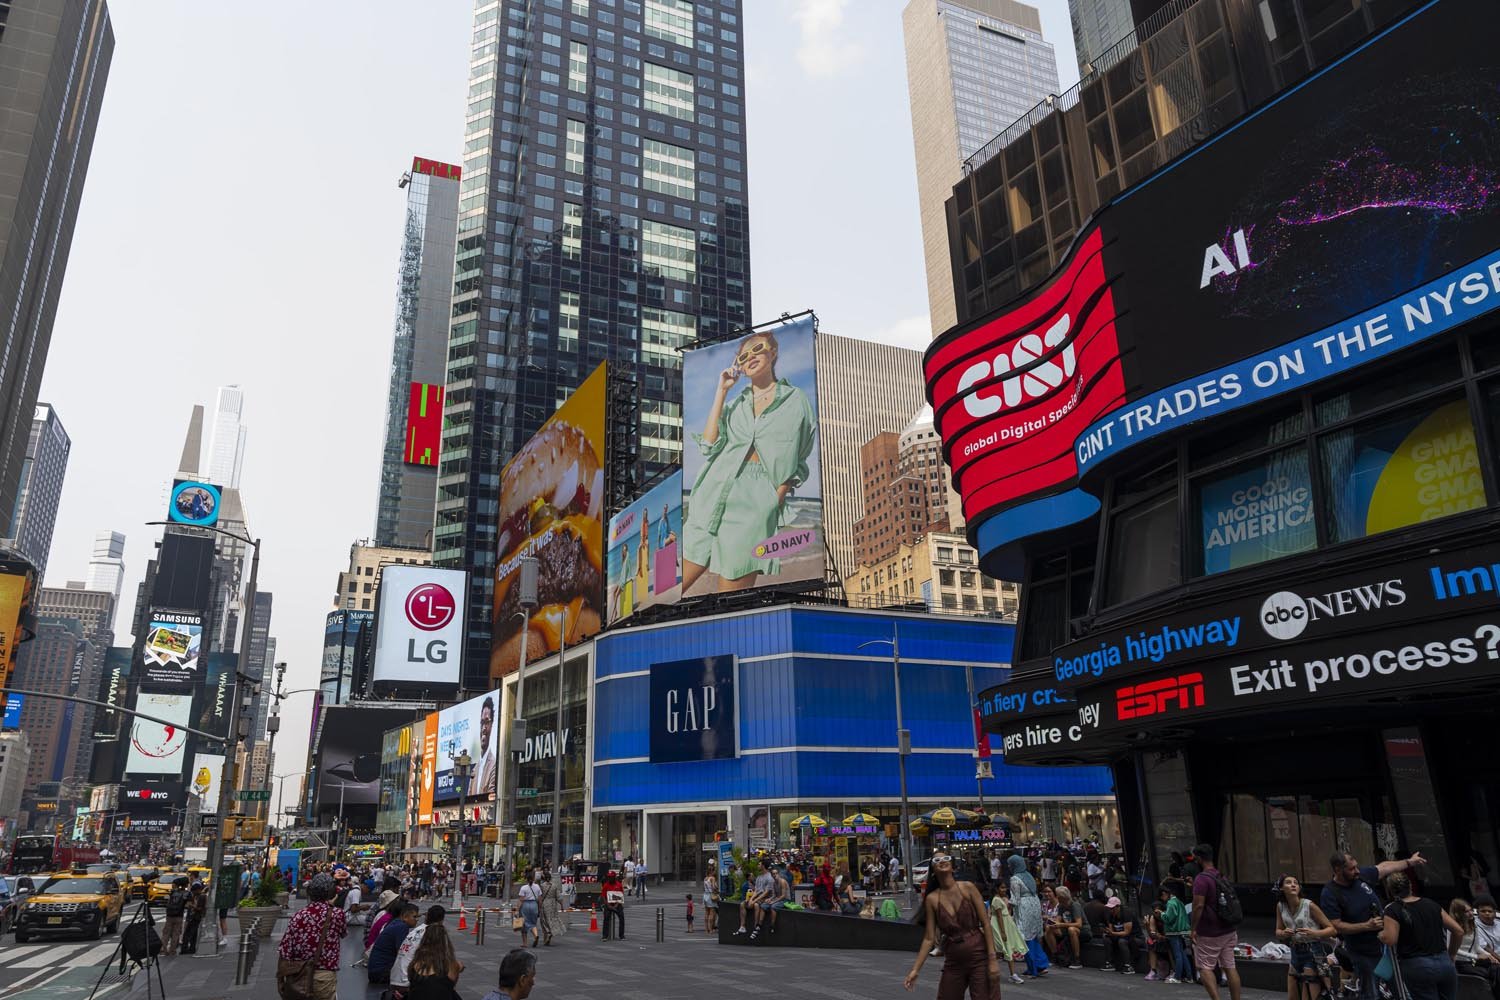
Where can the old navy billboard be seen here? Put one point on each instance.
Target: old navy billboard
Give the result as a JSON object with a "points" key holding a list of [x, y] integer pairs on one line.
{"points": [[1352, 218]]}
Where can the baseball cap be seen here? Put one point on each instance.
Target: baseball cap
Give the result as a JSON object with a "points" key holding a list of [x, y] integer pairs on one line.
{"points": [[1112, 902]]}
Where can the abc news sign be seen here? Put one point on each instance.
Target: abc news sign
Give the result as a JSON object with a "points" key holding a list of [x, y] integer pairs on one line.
{"points": [[693, 713], [1376, 598], [419, 634]]}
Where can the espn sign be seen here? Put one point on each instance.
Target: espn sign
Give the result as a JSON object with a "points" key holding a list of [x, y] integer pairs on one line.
{"points": [[1011, 394], [419, 631], [1159, 697]]}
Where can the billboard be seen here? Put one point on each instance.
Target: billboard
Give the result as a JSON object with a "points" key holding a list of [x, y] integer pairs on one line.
{"points": [[208, 769], [474, 726], [419, 636], [158, 747], [349, 752], [15, 595], [693, 710], [752, 494], [427, 781], [424, 424], [194, 503], [170, 650], [12, 717], [214, 698], [645, 551], [552, 507], [341, 632]]}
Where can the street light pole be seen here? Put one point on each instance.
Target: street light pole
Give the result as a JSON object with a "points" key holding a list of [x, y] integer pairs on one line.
{"points": [[529, 570], [463, 769], [903, 747], [557, 760]]}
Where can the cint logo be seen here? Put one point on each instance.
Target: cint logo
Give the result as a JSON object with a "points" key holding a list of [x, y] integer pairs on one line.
{"points": [[1284, 615], [429, 607], [1033, 383]]}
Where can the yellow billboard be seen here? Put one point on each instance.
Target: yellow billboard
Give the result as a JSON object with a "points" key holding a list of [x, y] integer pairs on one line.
{"points": [[552, 507], [15, 594]]}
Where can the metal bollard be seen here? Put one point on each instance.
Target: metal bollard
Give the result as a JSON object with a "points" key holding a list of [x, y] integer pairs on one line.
{"points": [[242, 959], [661, 925], [479, 927]]}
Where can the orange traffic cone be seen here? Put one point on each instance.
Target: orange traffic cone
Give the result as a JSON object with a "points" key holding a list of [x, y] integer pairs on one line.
{"points": [[463, 924], [593, 920]]}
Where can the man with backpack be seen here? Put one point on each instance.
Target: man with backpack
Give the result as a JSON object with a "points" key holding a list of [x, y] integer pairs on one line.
{"points": [[176, 909], [1216, 916]]}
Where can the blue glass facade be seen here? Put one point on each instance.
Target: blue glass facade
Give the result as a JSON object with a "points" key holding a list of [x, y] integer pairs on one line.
{"points": [[817, 717]]}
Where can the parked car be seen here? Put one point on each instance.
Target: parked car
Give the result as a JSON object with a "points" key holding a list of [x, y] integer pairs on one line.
{"points": [[13, 892]]}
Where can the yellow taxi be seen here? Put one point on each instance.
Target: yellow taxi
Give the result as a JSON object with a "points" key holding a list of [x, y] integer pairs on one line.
{"points": [[71, 902], [141, 877], [159, 890], [198, 873]]}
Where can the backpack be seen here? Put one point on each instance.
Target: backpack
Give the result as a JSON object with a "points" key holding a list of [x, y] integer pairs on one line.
{"points": [[1225, 904], [176, 903], [889, 910]]}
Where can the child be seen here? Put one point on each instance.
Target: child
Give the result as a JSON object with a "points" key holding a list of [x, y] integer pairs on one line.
{"points": [[1157, 950], [689, 898], [1009, 945]]}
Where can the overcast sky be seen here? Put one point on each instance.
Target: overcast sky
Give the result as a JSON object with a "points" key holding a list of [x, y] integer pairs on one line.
{"points": [[241, 220]]}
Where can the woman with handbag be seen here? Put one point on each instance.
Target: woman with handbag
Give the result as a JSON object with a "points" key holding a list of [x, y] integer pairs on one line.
{"points": [[1303, 928], [307, 966], [1414, 928], [553, 922], [710, 903], [531, 910]]}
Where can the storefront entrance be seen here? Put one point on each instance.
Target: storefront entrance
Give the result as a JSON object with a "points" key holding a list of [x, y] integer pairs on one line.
{"points": [[678, 840]]}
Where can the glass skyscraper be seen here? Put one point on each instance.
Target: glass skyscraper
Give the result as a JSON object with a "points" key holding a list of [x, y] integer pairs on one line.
{"points": [[602, 216], [419, 354]]}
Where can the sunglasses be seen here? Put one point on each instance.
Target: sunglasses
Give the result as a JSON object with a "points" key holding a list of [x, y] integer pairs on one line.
{"points": [[754, 350], [942, 859]]}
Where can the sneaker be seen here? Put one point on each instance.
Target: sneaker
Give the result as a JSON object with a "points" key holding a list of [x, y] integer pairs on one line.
{"points": [[1129, 970], [1150, 977], [1107, 967], [1017, 979], [739, 932], [1171, 979], [223, 942], [1075, 965]]}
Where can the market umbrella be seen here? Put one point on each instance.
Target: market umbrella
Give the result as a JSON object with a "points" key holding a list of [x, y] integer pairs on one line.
{"points": [[949, 818], [861, 819], [919, 827], [809, 819]]}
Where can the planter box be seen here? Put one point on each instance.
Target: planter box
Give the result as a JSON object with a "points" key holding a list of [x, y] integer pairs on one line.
{"points": [[267, 914], [808, 929]]}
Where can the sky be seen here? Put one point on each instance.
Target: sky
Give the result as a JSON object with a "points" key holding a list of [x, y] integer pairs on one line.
{"points": [[241, 220]]}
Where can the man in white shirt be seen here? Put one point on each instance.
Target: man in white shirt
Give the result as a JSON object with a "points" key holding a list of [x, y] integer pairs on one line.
{"points": [[354, 905], [895, 871], [994, 868]]}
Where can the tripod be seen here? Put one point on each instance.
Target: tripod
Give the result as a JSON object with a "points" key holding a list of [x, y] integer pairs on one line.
{"points": [[138, 946]]}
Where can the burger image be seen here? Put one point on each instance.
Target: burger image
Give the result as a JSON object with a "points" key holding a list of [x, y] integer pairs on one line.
{"points": [[551, 499]]}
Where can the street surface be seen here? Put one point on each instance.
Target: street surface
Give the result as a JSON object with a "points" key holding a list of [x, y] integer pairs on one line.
{"points": [[579, 966]]}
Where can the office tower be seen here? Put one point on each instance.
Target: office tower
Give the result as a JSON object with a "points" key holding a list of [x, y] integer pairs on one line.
{"points": [[906, 489], [419, 356], [40, 490], [192, 446], [226, 440], [972, 68], [254, 666], [863, 389], [603, 217], [15, 759], [107, 568], [54, 59], [1097, 25], [94, 613], [267, 689], [58, 660]]}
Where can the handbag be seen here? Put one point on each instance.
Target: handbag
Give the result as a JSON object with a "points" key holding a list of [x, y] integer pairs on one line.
{"points": [[1385, 969], [516, 923], [294, 977]]}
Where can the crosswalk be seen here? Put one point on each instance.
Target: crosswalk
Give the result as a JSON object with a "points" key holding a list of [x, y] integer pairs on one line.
{"points": [[57, 966]]}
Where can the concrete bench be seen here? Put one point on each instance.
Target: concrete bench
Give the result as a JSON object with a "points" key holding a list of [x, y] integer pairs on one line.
{"points": [[817, 929]]}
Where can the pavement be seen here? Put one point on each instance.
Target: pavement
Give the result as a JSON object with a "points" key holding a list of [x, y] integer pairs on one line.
{"points": [[578, 966]]}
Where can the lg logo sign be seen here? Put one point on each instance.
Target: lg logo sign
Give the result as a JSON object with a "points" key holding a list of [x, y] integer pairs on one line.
{"points": [[430, 607], [1283, 615]]}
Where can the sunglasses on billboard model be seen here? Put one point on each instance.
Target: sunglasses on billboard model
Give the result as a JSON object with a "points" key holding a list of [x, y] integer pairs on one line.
{"points": [[754, 350]]}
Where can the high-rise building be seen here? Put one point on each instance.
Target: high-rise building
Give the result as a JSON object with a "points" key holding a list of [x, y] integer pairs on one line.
{"points": [[603, 217], [854, 405], [906, 490], [15, 760], [254, 665], [939, 570], [57, 660], [419, 356], [94, 613], [54, 59], [226, 440], [1097, 25], [107, 568], [40, 491], [360, 583], [972, 68]]}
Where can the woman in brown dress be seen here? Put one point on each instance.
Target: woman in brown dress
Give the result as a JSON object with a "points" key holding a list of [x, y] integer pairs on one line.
{"points": [[955, 910]]}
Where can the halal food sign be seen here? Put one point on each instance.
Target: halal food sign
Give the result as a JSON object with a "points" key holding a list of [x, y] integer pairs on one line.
{"points": [[1010, 395]]}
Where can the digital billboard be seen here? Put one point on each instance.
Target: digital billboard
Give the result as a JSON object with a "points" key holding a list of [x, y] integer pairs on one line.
{"points": [[15, 596], [424, 424], [194, 503], [474, 726], [216, 694], [12, 717], [170, 650], [693, 712], [752, 496], [204, 781], [419, 635], [157, 747], [552, 508], [348, 752], [341, 632], [645, 550]]}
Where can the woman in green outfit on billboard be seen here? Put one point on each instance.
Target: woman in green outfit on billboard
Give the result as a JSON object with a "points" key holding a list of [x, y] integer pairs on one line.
{"points": [[756, 446]]}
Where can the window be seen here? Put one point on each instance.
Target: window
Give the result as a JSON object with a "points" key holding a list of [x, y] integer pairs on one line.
{"points": [[578, 67], [663, 334], [947, 577], [668, 251], [1143, 535], [668, 169], [572, 233], [1257, 510], [577, 139], [668, 91], [671, 20]]}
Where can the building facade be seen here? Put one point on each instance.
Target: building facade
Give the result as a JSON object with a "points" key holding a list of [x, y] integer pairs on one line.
{"points": [[55, 57], [224, 457], [972, 68], [15, 763], [58, 659], [603, 216], [94, 612], [1097, 26], [106, 572], [359, 585], [419, 356], [40, 490], [938, 570], [1256, 512]]}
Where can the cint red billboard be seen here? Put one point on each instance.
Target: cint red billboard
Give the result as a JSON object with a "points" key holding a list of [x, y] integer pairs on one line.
{"points": [[1011, 394]]}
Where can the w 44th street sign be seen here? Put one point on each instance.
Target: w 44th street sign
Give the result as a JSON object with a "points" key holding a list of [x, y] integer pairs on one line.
{"points": [[253, 795]]}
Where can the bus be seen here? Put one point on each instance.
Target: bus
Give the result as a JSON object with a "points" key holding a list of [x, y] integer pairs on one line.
{"points": [[35, 853]]}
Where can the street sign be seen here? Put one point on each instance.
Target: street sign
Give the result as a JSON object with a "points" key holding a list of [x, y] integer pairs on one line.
{"points": [[526, 793], [253, 795]]}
